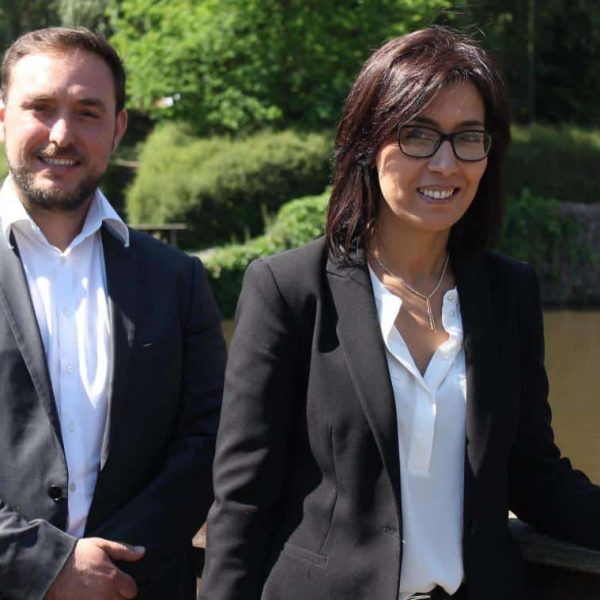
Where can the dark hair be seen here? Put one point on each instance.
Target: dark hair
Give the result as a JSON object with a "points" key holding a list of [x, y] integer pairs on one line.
{"points": [[64, 39], [396, 83]]}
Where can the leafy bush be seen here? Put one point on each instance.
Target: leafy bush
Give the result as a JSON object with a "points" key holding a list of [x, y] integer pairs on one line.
{"points": [[3, 166], [223, 188], [555, 162], [536, 232], [297, 222]]}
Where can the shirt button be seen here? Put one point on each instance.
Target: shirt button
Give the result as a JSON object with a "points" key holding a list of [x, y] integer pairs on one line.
{"points": [[451, 297], [72, 487], [71, 426], [452, 313], [69, 368]]}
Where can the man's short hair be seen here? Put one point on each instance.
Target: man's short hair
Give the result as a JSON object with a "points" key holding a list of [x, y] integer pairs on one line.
{"points": [[61, 40]]}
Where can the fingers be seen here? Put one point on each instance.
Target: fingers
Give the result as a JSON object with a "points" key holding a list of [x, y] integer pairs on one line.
{"points": [[120, 551], [126, 586]]}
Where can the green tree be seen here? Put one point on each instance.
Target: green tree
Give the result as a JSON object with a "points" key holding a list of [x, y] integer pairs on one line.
{"points": [[238, 65], [564, 36], [89, 13], [19, 16]]}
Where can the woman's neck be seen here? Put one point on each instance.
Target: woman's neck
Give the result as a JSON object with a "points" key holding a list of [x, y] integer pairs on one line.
{"points": [[417, 257]]}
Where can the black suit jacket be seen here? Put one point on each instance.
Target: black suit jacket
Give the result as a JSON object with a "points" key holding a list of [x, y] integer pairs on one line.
{"points": [[307, 479], [154, 483]]}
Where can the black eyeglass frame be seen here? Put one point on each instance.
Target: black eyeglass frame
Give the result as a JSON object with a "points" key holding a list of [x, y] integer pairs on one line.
{"points": [[442, 137]]}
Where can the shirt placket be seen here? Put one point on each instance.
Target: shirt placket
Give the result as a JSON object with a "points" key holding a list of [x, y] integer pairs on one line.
{"points": [[425, 403], [69, 373]]}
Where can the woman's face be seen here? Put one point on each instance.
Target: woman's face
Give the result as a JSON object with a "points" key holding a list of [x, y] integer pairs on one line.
{"points": [[432, 194]]}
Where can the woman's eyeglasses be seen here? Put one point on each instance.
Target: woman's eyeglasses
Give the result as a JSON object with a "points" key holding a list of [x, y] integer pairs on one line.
{"points": [[423, 142]]}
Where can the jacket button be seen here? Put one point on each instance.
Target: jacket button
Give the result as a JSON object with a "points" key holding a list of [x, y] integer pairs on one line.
{"points": [[55, 492], [473, 527]]}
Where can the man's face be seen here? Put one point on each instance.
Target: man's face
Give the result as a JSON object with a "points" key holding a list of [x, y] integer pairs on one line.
{"points": [[59, 127]]}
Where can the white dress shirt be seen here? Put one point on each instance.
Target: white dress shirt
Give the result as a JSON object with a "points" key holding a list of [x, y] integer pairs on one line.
{"points": [[431, 415], [68, 292]]}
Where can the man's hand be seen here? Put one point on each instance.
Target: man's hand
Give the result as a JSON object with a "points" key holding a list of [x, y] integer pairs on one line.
{"points": [[91, 574]]}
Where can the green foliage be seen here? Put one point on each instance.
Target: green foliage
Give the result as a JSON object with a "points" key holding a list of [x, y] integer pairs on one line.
{"points": [[19, 16], [240, 65], [3, 166], [222, 187], [87, 13], [555, 162], [297, 222], [536, 232], [560, 39]]}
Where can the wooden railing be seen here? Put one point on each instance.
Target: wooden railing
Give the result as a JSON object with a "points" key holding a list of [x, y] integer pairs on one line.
{"points": [[165, 232], [557, 570]]}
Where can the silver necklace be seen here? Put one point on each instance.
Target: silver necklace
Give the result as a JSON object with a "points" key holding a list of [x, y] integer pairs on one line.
{"points": [[426, 297]]}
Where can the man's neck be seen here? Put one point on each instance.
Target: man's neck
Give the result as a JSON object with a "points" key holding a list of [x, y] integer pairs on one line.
{"points": [[60, 227]]}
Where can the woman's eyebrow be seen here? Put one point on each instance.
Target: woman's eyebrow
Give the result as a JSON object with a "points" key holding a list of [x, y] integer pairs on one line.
{"points": [[431, 122]]}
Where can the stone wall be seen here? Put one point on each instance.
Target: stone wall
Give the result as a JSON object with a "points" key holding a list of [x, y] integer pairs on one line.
{"points": [[572, 276]]}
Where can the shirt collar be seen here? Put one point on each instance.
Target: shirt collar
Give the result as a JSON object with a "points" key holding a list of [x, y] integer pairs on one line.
{"points": [[388, 305], [12, 212]]}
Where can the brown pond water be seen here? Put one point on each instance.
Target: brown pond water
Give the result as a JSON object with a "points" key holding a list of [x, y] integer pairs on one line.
{"points": [[573, 365]]}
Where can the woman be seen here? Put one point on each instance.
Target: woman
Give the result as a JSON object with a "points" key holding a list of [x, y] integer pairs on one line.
{"points": [[385, 400]]}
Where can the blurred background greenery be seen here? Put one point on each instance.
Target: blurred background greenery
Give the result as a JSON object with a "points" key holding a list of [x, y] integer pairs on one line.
{"points": [[233, 106]]}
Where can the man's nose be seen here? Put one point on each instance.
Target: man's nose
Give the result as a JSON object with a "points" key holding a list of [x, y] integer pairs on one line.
{"points": [[444, 160], [61, 132]]}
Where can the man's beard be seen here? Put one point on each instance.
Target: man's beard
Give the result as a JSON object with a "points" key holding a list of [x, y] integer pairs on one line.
{"points": [[50, 199]]}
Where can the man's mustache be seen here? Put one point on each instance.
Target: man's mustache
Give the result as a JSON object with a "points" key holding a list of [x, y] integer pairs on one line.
{"points": [[52, 151]]}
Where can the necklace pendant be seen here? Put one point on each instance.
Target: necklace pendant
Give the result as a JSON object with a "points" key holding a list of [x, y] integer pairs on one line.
{"points": [[426, 297], [430, 315]]}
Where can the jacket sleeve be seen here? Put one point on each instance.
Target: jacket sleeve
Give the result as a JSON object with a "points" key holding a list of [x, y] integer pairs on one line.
{"points": [[170, 509], [32, 553], [262, 389], [545, 490]]}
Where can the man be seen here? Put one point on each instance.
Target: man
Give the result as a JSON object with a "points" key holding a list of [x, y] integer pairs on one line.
{"points": [[111, 351]]}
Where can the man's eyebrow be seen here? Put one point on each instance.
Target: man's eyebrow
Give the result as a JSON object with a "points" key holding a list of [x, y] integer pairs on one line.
{"points": [[37, 98], [90, 102], [431, 122], [93, 103]]}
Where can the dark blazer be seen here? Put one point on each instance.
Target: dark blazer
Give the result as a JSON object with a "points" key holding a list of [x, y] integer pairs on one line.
{"points": [[154, 484], [307, 479]]}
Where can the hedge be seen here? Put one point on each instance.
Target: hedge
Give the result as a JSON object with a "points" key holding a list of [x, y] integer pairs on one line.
{"points": [[558, 162], [224, 188], [533, 231], [296, 223]]}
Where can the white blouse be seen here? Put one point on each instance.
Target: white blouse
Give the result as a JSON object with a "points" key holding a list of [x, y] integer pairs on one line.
{"points": [[431, 417]]}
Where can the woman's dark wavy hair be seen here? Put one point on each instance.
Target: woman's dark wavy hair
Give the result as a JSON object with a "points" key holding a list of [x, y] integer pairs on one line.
{"points": [[397, 83]]}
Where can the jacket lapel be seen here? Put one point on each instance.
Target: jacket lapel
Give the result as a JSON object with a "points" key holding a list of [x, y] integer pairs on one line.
{"points": [[18, 307], [481, 354], [121, 280], [360, 339]]}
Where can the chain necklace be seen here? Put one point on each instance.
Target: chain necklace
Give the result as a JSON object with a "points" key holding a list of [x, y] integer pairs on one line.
{"points": [[426, 297]]}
